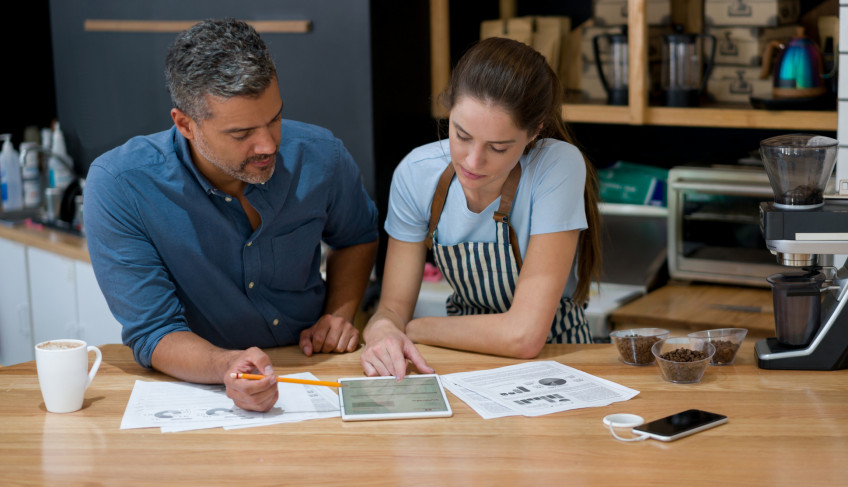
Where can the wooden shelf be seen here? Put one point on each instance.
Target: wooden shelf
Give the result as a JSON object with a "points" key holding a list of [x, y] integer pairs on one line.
{"points": [[595, 113], [173, 26], [727, 117], [639, 112]]}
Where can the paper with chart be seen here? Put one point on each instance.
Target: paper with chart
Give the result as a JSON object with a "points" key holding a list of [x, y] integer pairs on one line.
{"points": [[533, 389], [183, 406]]}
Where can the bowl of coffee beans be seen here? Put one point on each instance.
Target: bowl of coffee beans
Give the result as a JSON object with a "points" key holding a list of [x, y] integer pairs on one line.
{"points": [[683, 360], [634, 346], [726, 342]]}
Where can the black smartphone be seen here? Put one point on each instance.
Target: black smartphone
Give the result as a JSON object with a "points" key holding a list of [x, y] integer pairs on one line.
{"points": [[681, 424]]}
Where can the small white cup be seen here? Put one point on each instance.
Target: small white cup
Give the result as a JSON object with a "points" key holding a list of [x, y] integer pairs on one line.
{"points": [[63, 373]]}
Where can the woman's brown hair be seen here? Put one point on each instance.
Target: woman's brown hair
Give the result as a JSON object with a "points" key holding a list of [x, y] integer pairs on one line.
{"points": [[517, 78]]}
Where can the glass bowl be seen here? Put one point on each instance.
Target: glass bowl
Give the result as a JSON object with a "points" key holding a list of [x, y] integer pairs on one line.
{"points": [[683, 360], [726, 342], [634, 346]]}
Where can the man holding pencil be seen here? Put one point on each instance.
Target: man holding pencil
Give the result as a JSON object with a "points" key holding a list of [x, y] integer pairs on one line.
{"points": [[206, 238]]}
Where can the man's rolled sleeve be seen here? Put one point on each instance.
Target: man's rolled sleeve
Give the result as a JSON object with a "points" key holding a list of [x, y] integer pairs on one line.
{"points": [[128, 269]]}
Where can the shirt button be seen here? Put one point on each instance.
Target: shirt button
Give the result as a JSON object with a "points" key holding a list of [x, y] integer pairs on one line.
{"points": [[249, 244], [228, 199], [275, 322], [250, 285]]}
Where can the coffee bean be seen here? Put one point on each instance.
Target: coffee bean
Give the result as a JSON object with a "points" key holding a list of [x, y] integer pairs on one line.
{"points": [[684, 355], [801, 195], [682, 365], [636, 349], [725, 351]]}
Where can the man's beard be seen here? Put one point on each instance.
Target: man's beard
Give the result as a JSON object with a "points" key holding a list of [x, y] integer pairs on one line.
{"points": [[239, 172]]}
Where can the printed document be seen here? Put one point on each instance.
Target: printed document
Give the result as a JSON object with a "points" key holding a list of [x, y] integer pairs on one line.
{"points": [[533, 389], [183, 406]]}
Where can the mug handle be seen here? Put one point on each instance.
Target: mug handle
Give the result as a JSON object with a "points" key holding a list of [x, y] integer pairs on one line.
{"points": [[96, 365]]}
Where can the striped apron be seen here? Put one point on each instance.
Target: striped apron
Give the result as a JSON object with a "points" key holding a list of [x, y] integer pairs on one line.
{"points": [[483, 275]]}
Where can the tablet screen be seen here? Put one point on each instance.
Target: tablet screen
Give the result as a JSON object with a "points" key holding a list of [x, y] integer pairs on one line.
{"points": [[416, 396]]}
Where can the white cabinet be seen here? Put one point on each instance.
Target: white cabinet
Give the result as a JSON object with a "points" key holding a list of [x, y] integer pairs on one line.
{"points": [[65, 301], [15, 331], [45, 296], [53, 296]]}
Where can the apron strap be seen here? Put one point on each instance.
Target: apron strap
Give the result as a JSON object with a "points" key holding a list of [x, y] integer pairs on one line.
{"points": [[438, 205], [502, 214]]}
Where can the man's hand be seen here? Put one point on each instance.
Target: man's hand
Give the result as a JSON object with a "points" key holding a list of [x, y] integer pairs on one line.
{"points": [[389, 352], [252, 395], [329, 334]]}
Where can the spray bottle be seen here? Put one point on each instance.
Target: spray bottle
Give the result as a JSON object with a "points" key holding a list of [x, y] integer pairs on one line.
{"points": [[10, 176], [60, 175]]}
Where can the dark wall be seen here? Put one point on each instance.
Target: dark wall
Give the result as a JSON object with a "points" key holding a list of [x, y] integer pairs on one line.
{"points": [[400, 53], [110, 85], [26, 87]]}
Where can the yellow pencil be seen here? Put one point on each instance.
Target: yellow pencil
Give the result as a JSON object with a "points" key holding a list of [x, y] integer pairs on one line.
{"points": [[287, 379]]}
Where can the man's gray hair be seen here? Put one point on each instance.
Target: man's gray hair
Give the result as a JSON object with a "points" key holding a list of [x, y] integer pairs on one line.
{"points": [[222, 58]]}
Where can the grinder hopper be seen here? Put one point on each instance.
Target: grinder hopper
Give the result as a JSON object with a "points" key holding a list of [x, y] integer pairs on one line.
{"points": [[798, 168]]}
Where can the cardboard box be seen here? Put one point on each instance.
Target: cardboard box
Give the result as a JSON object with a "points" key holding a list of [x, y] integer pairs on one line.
{"points": [[546, 34], [737, 84], [743, 46], [591, 87], [614, 12], [767, 13]]}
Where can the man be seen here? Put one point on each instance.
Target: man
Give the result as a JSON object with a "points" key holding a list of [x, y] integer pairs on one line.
{"points": [[205, 238]]}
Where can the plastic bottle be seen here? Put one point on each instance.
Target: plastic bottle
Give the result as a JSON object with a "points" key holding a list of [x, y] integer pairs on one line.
{"points": [[10, 176], [31, 176], [60, 176], [46, 138]]}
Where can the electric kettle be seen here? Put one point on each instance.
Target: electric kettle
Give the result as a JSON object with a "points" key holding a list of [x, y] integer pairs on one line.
{"points": [[613, 68], [797, 70]]}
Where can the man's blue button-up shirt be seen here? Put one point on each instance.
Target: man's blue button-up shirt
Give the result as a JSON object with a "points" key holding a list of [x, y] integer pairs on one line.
{"points": [[172, 253]]}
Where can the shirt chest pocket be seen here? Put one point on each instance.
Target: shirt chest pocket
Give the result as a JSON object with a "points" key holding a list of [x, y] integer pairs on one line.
{"points": [[297, 258]]}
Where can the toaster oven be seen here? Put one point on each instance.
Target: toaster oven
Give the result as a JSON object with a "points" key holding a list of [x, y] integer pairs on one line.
{"points": [[713, 225]]}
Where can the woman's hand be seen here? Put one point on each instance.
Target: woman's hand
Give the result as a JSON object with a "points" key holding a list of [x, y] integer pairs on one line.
{"points": [[388, 351]]}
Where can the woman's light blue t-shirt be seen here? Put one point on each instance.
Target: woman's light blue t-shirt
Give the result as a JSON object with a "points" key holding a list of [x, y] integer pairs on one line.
{"points": [[549, 198]]}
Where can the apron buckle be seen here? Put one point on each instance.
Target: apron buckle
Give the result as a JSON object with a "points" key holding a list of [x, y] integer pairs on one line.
{"points": [[501, 217]]}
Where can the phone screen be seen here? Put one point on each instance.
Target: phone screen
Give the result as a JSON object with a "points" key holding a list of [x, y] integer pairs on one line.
{"points": [[681, 424]]}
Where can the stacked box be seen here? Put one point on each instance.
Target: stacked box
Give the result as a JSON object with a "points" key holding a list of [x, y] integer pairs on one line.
{"points": [[737, 84], [751, 12], [743, 46], [614, 12]]}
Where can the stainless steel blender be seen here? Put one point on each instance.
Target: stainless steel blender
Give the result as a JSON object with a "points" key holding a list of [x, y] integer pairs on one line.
{"points": [[805, 230]]}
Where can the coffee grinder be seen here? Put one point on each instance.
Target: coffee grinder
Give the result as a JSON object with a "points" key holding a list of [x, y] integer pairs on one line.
{"points": [[805, 229]]}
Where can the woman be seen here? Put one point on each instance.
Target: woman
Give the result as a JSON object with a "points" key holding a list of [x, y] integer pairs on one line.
{"points": [[505, 213]]}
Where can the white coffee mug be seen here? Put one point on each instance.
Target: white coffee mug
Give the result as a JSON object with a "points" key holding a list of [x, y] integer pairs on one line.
{"points": [[63, 373]]}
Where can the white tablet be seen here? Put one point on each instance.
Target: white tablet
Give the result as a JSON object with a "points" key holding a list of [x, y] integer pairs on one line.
{"points": [[416, 396]]}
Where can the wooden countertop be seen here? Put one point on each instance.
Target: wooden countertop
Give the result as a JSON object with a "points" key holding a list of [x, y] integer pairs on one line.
{"points": [[691, 306], [785, 428], [55, 241]]}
